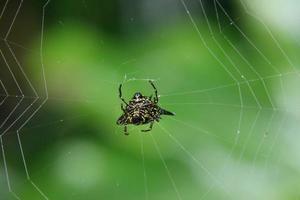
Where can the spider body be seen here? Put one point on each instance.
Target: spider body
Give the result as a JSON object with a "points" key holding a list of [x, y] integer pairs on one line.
{"points": [[141, 110]]}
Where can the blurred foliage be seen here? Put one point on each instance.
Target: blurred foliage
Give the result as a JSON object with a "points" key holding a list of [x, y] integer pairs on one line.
{"points": [[213, 148]]}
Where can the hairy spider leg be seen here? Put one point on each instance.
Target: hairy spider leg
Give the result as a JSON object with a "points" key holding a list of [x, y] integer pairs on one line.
{"points": [[150, 128], [122, 107], [120, 95], [125, 130], [155, 90]]}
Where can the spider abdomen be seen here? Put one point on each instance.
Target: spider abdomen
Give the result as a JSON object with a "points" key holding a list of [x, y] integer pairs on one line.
{"points": [[139, 116]]}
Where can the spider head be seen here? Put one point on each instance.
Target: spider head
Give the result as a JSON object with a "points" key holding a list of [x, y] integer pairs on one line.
{"points": [[137, 96]]}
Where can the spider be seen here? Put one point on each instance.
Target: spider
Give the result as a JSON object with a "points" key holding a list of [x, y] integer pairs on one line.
{"points": [[141, 110]]}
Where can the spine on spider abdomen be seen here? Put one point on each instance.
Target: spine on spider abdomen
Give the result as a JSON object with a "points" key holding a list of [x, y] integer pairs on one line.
{"points": [[165, 112]]}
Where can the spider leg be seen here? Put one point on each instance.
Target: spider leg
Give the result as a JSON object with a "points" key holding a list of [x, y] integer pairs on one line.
{"points": [[120, 95], [155, 90], [150, 128], [122, 107], [125, 130]]}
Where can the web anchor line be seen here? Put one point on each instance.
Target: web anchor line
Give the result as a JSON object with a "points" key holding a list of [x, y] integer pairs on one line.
{"points": [[197, 161], [278, 74], [6, 93], [16, 106], [267, 28], [167, 168], [35, 99], [144, 168]]}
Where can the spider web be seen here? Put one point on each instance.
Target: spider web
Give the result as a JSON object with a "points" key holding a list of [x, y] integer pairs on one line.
{"points": [[230, 138]]}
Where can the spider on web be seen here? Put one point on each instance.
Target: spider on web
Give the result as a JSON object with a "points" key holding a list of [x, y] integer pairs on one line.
{"points": [[141, 110]]}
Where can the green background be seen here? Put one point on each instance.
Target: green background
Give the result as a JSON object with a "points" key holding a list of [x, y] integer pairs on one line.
{"points": [[235, 132]]}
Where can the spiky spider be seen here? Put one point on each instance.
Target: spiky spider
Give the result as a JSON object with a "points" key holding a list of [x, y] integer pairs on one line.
{"points": [[141, 110]]}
